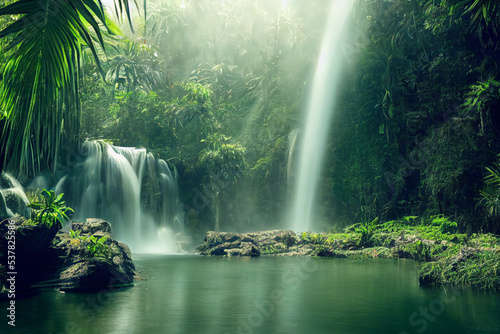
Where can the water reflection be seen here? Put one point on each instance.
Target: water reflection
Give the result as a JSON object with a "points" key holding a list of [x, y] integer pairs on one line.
{"points": [[190, 294]]}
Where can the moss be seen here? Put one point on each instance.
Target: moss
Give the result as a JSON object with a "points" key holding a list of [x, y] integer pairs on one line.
{"points": [[443, 255], [468, 268]]}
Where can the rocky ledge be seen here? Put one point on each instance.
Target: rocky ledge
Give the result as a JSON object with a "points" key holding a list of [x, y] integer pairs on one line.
{"points": [[281, 242], [442, 257], [51, 258], [246, 244]]}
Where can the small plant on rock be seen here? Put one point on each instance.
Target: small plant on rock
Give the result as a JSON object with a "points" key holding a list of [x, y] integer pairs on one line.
{"points": [[50, 209], [97, 247]]}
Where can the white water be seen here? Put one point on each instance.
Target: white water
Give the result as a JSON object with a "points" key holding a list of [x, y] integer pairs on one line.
{"points": [[129, 188], [321, 105], [14, 191]]}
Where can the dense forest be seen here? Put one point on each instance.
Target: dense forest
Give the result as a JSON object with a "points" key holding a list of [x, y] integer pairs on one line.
{"points": [[217, 89]]}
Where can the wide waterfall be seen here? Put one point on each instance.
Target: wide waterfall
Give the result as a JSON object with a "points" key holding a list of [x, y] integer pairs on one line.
{"points": [[321, 103], [132, 190]]}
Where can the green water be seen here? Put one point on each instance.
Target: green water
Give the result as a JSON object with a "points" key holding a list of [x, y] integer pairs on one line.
{"points": [[191, 294]]}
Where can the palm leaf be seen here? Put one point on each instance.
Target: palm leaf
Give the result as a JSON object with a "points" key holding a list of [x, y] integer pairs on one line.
{"points": [[39, 92]]}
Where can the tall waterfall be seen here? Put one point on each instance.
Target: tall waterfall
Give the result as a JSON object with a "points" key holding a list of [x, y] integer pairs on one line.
{"points": [[132, 190], [321, 102]]}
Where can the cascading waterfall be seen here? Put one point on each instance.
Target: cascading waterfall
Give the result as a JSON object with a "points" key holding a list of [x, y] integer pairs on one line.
{"points": [[132, 190], [317, 121], [13, 200]]}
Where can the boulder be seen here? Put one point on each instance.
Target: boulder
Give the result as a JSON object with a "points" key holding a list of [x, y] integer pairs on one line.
{"points": [[93, 226], [80, 270], [247, 244], [47, 255], [96, 273]]}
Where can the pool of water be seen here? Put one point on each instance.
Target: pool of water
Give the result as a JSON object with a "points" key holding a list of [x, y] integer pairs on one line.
{"points": [[194, 294]]}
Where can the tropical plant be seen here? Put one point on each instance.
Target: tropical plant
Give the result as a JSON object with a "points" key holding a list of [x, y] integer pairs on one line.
{"points": [[75, 234], [223, 162], [39, 91], [97, 247], [490, 195], [366, 231], [50, 210], [135, 65], [480, 99]]}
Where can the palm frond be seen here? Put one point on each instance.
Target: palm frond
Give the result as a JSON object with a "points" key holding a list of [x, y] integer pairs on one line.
{"points": [[39, 92]]}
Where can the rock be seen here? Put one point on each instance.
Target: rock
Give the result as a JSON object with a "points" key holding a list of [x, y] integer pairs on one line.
{"points": [[92, 274], [249, 249], [247, 244], [233, 252], [80, 270], [93, 226], [46, 254], [221, 248]]}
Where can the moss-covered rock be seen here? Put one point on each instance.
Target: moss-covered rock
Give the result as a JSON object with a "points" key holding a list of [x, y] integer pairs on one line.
{"points": [[79, 269], [247, 244], [44, 254], [442, 257]]}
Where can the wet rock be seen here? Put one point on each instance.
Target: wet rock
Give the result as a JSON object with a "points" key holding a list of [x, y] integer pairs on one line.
{"points": [[79, 269], [93, 274], [45, 254], [93, 226], [249, 249], [247, 244]]}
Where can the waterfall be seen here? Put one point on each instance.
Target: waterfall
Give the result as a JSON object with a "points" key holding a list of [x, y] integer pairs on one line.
{"points": [[13, 200], [321, 102], [132, 190], [292, 144]]}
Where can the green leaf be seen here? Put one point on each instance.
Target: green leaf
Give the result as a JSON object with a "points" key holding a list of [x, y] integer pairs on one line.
{"points": [[39, 92]]}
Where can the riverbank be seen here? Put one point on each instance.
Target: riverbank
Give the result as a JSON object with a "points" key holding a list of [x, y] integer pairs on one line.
{"points": [[443, 256]]}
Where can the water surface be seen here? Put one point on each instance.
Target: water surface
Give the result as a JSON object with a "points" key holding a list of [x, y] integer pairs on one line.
{"points": [[194, 294]]}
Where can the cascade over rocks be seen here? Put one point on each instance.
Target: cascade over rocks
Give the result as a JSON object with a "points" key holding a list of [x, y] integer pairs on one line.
{"points": [[130, 188], [13, 200]]}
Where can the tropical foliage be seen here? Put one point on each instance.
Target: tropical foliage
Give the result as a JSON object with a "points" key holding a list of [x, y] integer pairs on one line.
{"points": [[50, 210], [217, 87], [39, 90]]}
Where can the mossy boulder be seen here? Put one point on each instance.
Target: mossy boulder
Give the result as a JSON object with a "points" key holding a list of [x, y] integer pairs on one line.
{"points": [[79, 269]]}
